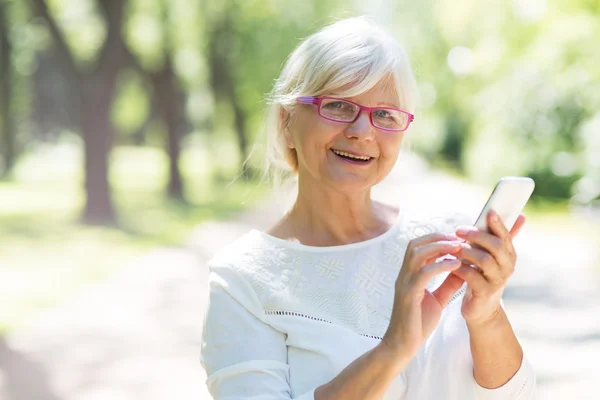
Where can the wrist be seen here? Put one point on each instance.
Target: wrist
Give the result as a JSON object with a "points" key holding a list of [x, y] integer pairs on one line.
{"points": [[488, 321], [396, 359]]}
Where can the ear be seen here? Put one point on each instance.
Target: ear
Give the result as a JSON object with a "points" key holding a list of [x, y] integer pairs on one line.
{"points": [[285, 121]]}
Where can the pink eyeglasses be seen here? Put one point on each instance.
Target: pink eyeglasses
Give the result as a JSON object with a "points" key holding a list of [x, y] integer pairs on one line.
{"points": [[340, 110]]}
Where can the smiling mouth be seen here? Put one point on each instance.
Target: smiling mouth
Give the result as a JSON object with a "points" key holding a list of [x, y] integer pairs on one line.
{"points": [[347, 156]]}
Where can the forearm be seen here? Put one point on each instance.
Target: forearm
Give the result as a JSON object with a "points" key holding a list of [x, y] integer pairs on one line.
{"points": [[497, 354], [366, 378]]}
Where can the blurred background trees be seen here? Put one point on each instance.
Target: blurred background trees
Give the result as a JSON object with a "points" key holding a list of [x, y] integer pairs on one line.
{"points": [[138, 114], [509, 87]]}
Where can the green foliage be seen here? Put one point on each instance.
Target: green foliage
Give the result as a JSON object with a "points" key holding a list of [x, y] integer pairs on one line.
{"points": [[517, 84], [82, 25], [131, 107]]}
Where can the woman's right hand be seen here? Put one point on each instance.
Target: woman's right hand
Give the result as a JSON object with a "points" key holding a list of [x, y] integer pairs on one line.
{"points": [[416, 311]]}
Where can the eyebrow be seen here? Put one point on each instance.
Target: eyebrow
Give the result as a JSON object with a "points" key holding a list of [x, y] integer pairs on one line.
{"points": [[391, 105], [378, 104]]}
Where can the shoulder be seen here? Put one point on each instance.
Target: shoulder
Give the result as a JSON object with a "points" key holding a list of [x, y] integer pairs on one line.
{"points": [[250, 265], [248, 254]]}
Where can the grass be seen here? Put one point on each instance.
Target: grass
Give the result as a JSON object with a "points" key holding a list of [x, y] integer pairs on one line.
{"points": [[46, 255]]}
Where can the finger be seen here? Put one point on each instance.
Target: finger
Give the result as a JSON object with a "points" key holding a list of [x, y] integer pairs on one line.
{"points": [[504, 254], [437, 258], [517, 226], [448, 288], [422, 255], [486, 241], [422, 278], [497, 226], [474, 278], [430, 238], [488, 265]]}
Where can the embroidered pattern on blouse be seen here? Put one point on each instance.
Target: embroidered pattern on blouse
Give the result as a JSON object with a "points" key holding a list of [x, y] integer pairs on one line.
{"points": [[394, 255], [371, 279], [355, 292], [330, 267]]}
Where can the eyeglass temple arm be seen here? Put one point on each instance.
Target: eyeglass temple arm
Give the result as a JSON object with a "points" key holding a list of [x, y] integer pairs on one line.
{"points": [[307, 100]]}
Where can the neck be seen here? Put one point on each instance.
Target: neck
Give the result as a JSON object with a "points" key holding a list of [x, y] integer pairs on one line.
{"points": [[326, 217]]}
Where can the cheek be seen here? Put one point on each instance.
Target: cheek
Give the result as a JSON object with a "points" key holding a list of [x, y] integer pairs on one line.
{"points": [[313, 137], [390, 148]]}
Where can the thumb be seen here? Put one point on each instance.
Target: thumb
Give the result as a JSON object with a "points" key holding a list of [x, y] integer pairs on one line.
{"points": [[448, 288]]}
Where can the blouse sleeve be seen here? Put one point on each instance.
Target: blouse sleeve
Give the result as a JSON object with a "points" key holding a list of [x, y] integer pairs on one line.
{"points": [[244, 357], [521, 386]]}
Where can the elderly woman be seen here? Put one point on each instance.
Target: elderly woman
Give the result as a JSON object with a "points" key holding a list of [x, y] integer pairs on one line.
{"points": [[345, 297]]}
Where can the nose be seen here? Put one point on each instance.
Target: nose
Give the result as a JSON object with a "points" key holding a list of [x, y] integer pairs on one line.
{"points": [[361, 129]]}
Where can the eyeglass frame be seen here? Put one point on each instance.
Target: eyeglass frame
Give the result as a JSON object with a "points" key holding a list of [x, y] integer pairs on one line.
{"points": [[318, 100]]}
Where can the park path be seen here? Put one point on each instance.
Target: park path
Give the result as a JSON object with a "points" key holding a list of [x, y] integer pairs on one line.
{"points": [[137, 334]]}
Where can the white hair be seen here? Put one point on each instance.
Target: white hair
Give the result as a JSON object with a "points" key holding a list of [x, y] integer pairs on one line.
{"points": [[344, 59]]}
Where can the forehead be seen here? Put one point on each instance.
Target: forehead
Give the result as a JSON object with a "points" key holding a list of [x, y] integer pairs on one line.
{"points": [[384, 92]]}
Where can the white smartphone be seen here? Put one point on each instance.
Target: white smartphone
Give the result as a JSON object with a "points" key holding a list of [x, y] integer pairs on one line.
{"points": [[508, 199]]}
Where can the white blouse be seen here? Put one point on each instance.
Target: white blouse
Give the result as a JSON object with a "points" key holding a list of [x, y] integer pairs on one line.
{"points": [[285, 318]]}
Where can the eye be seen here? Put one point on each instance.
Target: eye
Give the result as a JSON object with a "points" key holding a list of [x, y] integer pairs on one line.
{"points": [[337, 105], [382, 113]]}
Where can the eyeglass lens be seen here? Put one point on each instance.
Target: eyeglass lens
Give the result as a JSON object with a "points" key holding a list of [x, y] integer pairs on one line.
{"points": [[343, 111]]}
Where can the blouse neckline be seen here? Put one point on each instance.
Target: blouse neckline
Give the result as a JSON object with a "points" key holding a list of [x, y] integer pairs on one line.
{"points": [[350, 246]]}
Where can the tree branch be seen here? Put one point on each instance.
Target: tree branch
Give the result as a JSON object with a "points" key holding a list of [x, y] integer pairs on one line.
{"points": [[65, 53], [130, 59], [114, 48]]}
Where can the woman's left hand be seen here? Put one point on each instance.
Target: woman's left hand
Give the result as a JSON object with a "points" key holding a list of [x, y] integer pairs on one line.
{"points": [[494, 258]]}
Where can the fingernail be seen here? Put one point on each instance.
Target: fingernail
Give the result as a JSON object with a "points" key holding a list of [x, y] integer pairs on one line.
{"points": [[494, 215], [462, 231]]}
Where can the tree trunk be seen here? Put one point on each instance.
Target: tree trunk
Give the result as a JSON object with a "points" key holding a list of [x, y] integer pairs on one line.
{"points": [[221, 62], [6, 76], [139, 136], [94, 88], [96, 96], [170, 104]]}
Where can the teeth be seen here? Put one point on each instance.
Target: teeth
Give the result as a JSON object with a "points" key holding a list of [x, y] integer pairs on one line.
{"points": [[343, 153]]}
